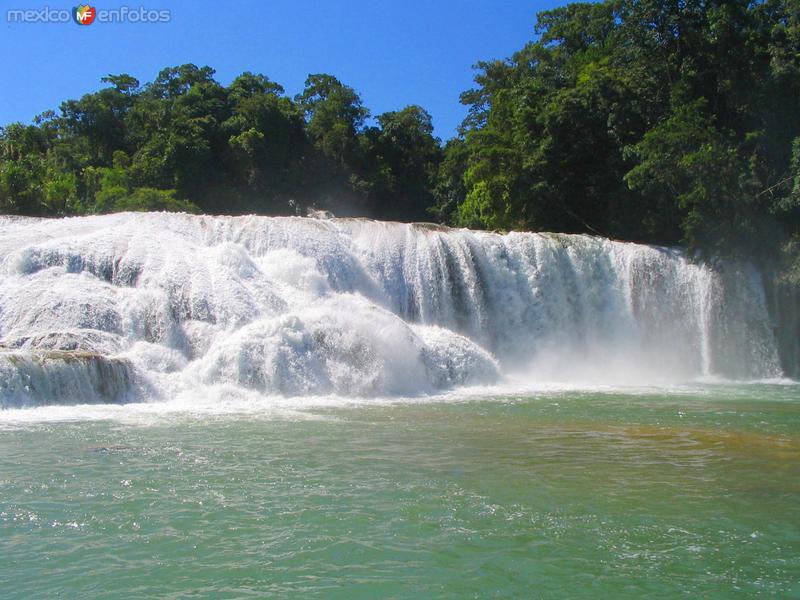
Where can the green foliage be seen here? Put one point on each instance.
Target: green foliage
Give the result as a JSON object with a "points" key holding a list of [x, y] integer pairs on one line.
{"points": [[149, 199], [449, 183], [655, 121], [335, 115], [402, 159], [185, 142]]}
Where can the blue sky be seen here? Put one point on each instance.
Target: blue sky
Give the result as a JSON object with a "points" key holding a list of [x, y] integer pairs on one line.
{"points": [[393, 53]]}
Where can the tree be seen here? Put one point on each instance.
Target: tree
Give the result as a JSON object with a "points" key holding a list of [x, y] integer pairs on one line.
{"points": [[649, 120], [404, 157], [335, 115]]}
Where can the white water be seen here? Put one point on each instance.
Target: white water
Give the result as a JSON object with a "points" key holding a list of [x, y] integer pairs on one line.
{"points": [[160, 306]]}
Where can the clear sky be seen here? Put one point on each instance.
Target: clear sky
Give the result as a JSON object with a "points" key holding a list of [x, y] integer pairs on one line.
{"points": [[394, 53]]}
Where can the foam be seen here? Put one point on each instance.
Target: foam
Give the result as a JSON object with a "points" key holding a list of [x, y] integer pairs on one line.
{"points": [[350, 308]]}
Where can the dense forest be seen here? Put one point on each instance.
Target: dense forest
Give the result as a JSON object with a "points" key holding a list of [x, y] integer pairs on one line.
{"points": [[661, 121]]}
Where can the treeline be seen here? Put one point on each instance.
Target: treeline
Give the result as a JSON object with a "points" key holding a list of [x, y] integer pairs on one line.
{"points": [[663, 121], [184, 142]]}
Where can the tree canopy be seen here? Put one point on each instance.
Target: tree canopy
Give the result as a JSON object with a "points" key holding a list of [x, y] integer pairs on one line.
{"points": [[649, 120], [185, 142]]}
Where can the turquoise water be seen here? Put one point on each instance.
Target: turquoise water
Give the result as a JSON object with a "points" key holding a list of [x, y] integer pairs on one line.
{"points": [[555, 494]]}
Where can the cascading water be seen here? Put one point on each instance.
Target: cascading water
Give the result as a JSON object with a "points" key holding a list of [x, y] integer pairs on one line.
{"points": [[145, 306]]}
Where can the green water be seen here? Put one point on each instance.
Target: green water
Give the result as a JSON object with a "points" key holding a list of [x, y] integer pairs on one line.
{"points": [[689, 493]]}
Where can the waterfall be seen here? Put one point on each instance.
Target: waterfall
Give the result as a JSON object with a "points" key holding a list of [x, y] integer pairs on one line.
{"points": [[139, 306]]}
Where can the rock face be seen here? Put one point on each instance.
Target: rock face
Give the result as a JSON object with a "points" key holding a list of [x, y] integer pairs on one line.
{"points": [[62, 377]]}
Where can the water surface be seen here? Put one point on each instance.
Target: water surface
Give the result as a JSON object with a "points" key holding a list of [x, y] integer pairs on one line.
{"points": [[690, 492]]}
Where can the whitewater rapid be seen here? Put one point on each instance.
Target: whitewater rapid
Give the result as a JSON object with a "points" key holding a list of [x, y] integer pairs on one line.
{"points": [[150, 306]]}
